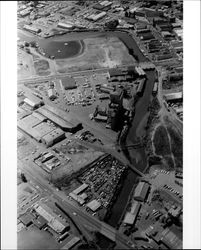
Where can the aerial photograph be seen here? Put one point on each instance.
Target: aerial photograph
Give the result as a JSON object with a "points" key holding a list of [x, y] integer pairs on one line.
{"points": [[100, 124]]}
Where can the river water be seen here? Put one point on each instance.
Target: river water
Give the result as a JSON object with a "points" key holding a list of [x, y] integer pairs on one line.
{"points": [[137, 156]]}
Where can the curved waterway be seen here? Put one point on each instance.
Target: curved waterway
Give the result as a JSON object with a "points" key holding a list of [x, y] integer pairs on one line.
{"points": [[136, 156]]}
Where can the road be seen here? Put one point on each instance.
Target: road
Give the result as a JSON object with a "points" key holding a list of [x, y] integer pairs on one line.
{"points": [[71, 208], [60, 76]]}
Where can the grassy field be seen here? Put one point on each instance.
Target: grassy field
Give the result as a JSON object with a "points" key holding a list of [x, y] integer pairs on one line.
{"points": [[161, 142], [177, 147]]}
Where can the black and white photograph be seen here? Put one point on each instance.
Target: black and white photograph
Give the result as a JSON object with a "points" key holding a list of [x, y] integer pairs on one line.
{"points": [[99, 96]]}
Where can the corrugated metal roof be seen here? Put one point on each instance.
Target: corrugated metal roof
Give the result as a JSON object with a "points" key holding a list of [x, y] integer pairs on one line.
{"points": [[80, 188], [141, 190], [93, 205]]}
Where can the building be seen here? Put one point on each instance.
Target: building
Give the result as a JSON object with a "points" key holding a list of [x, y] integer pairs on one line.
{"points": [[39, 116], [26, 219], [140, 71], [77, 198], [131, 216], [94, 205], [175, 212], [116, 97], [100, 118], [65, 25], [24, 13], [105, 5], [80, 189], [32, 29], [96, 17], [40, 222], [176, 76], [68, 83], [174, 96], [129, 219], [33, 101], [43, 128], [62, 119], [53, 221], [141, 191], [71, 243], [179, 33], [115, 72], [170, 239], [53, 137], [51, 94]]}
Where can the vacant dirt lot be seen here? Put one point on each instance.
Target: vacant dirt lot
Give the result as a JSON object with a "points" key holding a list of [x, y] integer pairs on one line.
{"points": [[99, 52]]}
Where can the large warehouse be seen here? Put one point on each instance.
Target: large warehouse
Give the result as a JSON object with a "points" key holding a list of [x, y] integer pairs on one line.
{"points": [[141, 191], [35, 126], [59, 117], [68, 83], [131, 216]]}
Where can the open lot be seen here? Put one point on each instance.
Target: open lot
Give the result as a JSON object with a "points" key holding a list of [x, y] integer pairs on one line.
{"points": [[99, 52]]}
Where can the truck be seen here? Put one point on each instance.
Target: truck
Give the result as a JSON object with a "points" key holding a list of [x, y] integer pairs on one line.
{"points": [[155, 88]]}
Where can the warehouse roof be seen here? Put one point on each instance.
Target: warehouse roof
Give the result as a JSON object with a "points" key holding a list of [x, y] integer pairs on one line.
{"points": [[141, 190], [174, 96], [129, 218], [71, 243], [94, 205], [135, 207], [53, 135], [31, 121], [39, 116], [77, 198], [54, 115], [43, 129], [26, 219], [68, 82], [115, 72], [56, 223], [80, 188]]}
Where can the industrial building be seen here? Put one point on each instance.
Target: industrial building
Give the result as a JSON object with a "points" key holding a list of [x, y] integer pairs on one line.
{"points": [[40, 222], [116, 97], [174, 96], [100, 118], [53, 221], [26, 219], [140, 71], [131, 216], [51, 94], [41, 131], [105, 5], [115, 72], [59, 117], [80, 189], [68, 83], [141, 191], [21, 113], [94, 205], [77, 198], [71, 243], [65, 25], [32, 29], [96, 17], [53, 137], [129, 219], [24, 13], [33, 101]]}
